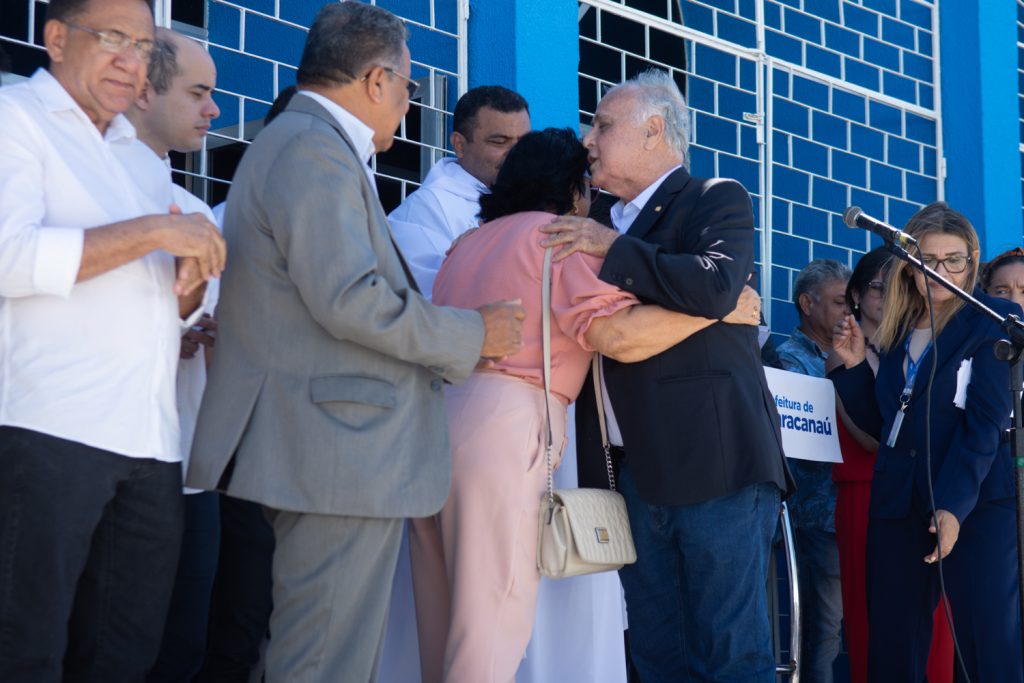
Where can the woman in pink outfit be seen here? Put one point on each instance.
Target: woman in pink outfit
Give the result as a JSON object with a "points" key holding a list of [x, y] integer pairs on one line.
{"points": [[474, 563]]}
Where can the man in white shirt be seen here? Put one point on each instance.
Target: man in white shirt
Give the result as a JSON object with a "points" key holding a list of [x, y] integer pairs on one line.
{"points": [[174, 112], [90, 498], [488, 121]]}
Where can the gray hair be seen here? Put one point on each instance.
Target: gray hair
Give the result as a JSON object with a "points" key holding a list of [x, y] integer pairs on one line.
{"points": [[349, 38], [657, 94], [163, 65], [816, 274]]}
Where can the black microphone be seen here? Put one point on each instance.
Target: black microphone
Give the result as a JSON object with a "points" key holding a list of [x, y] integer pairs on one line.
{"points": [[855, 218]]}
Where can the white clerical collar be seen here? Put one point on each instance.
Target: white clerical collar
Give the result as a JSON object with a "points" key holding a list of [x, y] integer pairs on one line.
{"points": [[358, 132], [624, 213]]}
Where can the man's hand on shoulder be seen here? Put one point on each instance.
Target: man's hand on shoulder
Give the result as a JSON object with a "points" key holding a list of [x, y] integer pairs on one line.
{"points": [[578, 234], [503, 329]]}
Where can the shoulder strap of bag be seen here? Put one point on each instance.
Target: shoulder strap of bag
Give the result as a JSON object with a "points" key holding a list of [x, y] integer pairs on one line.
{"points": [[545, 322], [596, 371], [545, 292]]}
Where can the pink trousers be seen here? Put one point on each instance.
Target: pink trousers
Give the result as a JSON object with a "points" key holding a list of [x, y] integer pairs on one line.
{"points": [[474, 564]]}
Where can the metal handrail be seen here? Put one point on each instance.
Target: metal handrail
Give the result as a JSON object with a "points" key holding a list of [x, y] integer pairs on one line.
{"points": [[792, 669]]}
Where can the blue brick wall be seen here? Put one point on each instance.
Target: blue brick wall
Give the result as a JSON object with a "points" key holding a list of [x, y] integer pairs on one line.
{"points": [[1020, 84], [883, 45], [832, 147]]}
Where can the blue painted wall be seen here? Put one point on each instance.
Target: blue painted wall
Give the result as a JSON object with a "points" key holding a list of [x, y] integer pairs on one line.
{"points": [[980, 122], [530, 46]]}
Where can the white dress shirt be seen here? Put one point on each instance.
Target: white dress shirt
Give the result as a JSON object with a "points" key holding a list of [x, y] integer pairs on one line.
{"points": [[153, 176], [424, 226], [92, 362], [623, 214]]}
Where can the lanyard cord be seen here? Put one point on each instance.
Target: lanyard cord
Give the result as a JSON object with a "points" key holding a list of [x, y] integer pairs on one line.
{"points": [[928, 460]]}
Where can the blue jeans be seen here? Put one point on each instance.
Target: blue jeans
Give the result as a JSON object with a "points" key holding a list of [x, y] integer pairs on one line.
{"points": [[821, 603], [696, 597]]}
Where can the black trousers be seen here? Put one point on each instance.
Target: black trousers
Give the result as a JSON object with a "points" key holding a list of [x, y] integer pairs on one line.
{"points": [[241, 603], [184, 642], [89, 544]]}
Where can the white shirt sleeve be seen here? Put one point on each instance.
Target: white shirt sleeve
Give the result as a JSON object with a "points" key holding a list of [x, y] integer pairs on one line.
{"points": [[34, 258], [189, 203]]}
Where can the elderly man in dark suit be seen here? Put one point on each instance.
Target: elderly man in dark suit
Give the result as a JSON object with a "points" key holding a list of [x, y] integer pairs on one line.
{"points": [[325, 402], [694, 428]]}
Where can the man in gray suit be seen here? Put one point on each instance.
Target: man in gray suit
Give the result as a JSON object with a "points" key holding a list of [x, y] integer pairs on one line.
{"points": [[324, 402]]}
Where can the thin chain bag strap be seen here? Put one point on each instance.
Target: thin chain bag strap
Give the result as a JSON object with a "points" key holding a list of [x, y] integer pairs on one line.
{"points": [[545, 322], [596, 371]]}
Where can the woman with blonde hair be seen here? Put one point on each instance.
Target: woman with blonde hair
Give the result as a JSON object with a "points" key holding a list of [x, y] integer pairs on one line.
{"points": [[943, 483]]}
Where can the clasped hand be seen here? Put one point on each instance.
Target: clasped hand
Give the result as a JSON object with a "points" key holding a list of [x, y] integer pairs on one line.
{"points": [[197, 243]]}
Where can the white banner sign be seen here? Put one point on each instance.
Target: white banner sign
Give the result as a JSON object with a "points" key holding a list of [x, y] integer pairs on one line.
{"points": [[807, 415]]}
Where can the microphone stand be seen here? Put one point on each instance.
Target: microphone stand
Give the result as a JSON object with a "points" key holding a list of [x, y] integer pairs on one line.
{"points": [[1010, 351]]}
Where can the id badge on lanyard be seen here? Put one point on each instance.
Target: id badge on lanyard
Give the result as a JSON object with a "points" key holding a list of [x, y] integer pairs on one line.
{"points": [[908, 390]]}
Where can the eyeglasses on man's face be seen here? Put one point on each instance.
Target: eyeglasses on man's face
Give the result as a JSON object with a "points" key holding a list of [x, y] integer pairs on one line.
{"points": [[112, 40], [954, 264], [412, 86]]}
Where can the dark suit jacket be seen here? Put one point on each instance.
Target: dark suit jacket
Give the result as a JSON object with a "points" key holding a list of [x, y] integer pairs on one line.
{"points": [[697, 420], [970, 460]]}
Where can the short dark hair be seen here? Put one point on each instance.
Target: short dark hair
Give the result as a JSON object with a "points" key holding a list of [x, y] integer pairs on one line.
{"points": [[493, 96], [542, 172], [63, 10], [1007, 258], [347, 38], [280, 103], [163, 64], [864, 272]]}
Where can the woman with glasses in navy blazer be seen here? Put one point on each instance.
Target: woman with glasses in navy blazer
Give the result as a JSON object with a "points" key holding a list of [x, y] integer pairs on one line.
{"points": [[971, 523]]}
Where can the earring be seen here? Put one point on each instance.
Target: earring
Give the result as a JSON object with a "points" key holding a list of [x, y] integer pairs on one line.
{"points": [[856, 307], [575, 211]]}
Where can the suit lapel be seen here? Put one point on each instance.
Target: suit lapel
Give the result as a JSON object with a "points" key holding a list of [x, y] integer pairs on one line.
{"points": [[309, 106], [655, 206]]}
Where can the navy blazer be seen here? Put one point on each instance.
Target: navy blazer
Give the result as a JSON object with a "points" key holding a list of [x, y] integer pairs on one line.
{"points": [[697, 420], [970, 457]]}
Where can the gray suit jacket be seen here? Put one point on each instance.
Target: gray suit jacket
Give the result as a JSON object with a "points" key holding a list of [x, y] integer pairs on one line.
{"points": [[326, 386]]}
